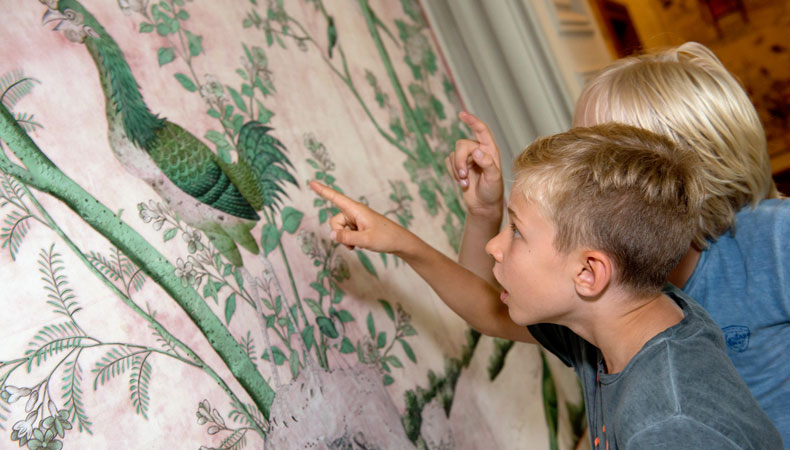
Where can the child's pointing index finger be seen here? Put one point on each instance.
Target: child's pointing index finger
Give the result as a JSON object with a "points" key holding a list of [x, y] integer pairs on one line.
{"points": [[338, 199]]}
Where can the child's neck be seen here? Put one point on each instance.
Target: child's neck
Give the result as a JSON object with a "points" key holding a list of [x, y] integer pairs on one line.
{"points": [[682, 272], [628, 324]]}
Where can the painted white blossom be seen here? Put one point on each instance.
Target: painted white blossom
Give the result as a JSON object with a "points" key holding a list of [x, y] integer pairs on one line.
{"points": [[14, 393]]}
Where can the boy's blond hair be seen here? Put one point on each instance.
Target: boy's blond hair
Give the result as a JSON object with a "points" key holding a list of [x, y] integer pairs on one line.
{"points": [[686, 94], [626, 191]]}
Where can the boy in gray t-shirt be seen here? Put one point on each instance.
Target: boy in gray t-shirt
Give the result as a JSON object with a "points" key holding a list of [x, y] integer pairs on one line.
{"points": [[680, 390], [597, 218]]}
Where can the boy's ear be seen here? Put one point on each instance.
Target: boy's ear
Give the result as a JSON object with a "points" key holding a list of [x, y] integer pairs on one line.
{"points": [[594, 273]]}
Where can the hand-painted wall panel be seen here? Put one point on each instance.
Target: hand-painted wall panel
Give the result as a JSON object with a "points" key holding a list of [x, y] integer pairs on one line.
{"points": [[168, 281]]}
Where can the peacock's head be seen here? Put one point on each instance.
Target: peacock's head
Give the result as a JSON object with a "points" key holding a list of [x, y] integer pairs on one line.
{"points": [[69, 21]]}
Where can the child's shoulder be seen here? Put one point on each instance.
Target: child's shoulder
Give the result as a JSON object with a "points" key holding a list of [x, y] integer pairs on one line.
{"points": [[683, 377], [769, 213]]}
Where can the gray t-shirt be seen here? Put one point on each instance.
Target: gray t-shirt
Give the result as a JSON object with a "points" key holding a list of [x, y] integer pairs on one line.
{"points": [[680, 391]]}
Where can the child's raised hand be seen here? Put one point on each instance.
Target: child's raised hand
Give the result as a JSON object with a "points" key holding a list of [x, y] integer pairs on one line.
{"points": [[356, 225], [476, 166]]}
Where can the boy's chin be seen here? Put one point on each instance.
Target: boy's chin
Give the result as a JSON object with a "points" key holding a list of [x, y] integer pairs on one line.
{"points": [[519, 320]]}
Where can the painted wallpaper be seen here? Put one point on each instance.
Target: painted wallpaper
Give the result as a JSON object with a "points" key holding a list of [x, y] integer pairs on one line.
{"points": [[166, 277]]}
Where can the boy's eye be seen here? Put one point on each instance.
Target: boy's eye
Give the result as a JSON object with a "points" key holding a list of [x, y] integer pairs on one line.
{"points": [[515, 230]]}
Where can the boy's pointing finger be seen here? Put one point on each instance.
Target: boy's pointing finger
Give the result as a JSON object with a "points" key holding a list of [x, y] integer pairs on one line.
{"points": [[340, 200], [478, 127]]}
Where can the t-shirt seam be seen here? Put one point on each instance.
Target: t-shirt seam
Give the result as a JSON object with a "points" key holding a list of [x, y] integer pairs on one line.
{"points": [[684, 416]]}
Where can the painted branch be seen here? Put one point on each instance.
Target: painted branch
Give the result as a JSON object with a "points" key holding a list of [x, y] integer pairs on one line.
{"points": [[45, 176]]}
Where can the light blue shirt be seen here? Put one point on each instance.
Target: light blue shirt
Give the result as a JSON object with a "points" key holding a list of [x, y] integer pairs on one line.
{"points": [[743, 281]]}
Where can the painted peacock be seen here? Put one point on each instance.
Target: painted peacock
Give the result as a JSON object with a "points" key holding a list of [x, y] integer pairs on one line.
{"points": [[221, 199]]}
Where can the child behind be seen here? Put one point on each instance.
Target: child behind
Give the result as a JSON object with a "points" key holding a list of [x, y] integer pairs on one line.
{"points": [[737, 266], [598, 217]]}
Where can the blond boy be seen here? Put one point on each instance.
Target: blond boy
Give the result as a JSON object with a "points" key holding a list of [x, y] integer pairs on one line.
{"points": [[598, 217], [737, 264]]}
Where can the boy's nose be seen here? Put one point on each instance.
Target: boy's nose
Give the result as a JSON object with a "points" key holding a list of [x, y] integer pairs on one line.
{"points": [[493, 248]]}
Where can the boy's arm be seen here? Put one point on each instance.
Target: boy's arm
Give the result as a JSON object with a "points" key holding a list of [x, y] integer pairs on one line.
{"points": [[468, 295], [475, 164]]}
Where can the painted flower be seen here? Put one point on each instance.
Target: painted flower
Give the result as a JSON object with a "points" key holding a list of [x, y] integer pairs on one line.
{"points": [[341, 269], [57, 423], [44, 441], [402, 315], [319, 152], [12, 393], [192, 238], [186, 272], [148, 214], [204, 413], [31, 402], [23, 430], [212, 90], [130, 6]]}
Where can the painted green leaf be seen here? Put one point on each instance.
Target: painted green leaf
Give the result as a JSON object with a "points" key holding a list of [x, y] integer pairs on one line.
{"points": [[314, 306], [319, 288], [344, 316], [211, 289], [308, 337], [388, 309], [230, 307], [346, 346], [429, 61], [327, 327], [363, 258], [408, 350], [162, 29], [165, 55], [331, 34], [222, 144], [292, 218], [395, 361], [238, 121], [550, 407], [294, 363], [438, 108], [246, 89], [264, 114], [388, 380], [408, 330], [279, 356], [170, 234], [146, 27], [186, 82], [338, 296], [182, 15], [237, 99], [278, 304], [213, 113], [371, 326], [323, 215], [270, 238], [238, 277], [381, 341]]}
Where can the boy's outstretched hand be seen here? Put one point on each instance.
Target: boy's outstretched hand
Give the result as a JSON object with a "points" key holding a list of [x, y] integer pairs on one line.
{"points": [[476, 166], [356, 225]]}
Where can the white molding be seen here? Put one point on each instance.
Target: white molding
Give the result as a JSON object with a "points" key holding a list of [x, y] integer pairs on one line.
{"points": [[503, 68]]}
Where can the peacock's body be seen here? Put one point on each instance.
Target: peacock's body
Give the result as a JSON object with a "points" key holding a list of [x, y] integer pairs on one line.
{"points": [[218, 198]]}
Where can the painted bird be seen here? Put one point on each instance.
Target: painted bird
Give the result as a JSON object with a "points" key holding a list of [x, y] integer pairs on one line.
{"points": [[219, 198]]}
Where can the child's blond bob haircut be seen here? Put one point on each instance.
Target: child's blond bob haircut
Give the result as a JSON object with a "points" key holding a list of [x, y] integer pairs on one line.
{"points": [[686, 94], [622, 190]]}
